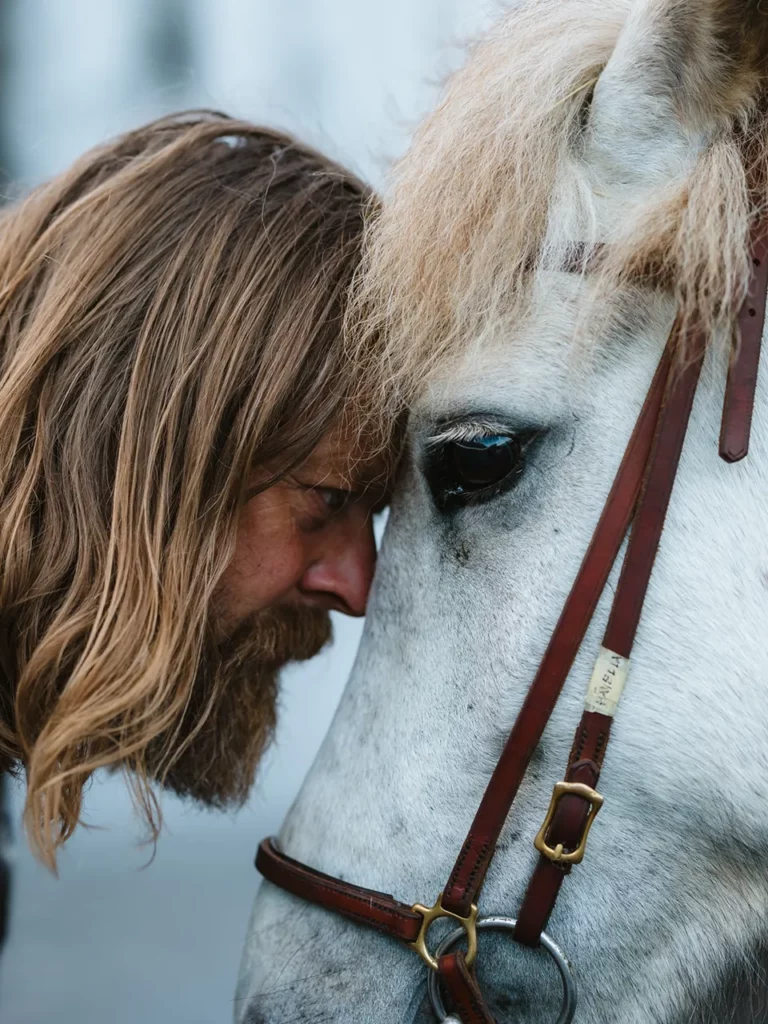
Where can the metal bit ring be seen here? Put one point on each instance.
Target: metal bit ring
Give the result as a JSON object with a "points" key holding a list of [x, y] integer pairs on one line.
{"points": [[504, 924]]}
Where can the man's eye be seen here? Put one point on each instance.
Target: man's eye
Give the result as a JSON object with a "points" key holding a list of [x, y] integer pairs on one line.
{"points": [[333, 498], [474, 471]]}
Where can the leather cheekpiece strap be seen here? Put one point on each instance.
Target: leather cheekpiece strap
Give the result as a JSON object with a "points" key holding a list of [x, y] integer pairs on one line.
{"points": [[375, 909], [652, 510], [567, 827], [466, 999], [742, 372]]}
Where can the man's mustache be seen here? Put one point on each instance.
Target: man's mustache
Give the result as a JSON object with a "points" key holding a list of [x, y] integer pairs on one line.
{"points": [[276, 636]]}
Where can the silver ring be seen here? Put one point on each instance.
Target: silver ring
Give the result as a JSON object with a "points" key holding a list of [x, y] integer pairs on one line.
{"points": [[505, 924]]}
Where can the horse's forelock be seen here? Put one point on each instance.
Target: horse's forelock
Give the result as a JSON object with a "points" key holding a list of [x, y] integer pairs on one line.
{"points": [[469, 214]]}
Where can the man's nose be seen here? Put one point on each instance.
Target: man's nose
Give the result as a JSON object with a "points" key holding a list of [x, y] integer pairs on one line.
{"points": [[340, 576]]}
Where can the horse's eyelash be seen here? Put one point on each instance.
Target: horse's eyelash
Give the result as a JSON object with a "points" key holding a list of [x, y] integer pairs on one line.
{"points": [[468, 431]]}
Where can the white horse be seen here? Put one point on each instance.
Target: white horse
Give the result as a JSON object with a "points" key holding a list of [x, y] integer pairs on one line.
{"points": [[583, 121]]}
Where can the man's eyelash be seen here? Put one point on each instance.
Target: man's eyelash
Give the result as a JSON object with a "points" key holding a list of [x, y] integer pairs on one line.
{"points": [[340, 498]]}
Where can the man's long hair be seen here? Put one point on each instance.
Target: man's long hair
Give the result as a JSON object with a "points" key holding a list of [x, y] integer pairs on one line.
{"points": [[170, 317]]}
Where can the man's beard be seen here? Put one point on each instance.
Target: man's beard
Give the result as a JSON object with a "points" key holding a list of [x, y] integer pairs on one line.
{"points": [[237, 685]]}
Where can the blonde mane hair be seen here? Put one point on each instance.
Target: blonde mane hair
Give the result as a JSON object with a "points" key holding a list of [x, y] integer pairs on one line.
{"points": [[467, 220], [170, 317]]}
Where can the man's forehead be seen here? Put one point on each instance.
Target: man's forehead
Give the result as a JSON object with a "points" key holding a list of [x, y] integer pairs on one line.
{"points": [[343, 455]]}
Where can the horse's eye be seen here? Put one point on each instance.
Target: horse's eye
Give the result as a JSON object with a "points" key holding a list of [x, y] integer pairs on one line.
{"points": [[471, 472]]}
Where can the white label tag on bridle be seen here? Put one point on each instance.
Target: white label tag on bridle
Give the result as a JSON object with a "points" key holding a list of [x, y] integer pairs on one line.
{"points": [[607, 683]]}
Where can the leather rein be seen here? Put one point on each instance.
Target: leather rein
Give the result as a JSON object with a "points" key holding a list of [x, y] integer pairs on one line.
{"points": [[639, 497]]}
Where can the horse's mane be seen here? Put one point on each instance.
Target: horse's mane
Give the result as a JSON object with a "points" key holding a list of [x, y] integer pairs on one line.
{"points": [[467, 217]]}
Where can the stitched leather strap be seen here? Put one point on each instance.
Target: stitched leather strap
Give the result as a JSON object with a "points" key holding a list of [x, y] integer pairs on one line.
{"points": [[649, 521], [469, 871], [459, 982], [376, 909], [742, 372], [567, 828], [594, 729]]}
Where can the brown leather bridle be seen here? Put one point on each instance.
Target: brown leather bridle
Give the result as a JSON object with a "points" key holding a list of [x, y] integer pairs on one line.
{"points": [[639, 496]]}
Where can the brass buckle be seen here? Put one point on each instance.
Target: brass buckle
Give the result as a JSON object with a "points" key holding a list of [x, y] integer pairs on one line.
{"points": [[557, 854], [430, 914]]}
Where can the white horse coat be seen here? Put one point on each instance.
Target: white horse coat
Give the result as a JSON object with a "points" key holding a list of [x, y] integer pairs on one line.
{"points": [[665, 919]]}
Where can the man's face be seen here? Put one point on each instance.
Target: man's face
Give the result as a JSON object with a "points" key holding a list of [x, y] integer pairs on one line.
{"points": [[308, 540], [304, 546]]}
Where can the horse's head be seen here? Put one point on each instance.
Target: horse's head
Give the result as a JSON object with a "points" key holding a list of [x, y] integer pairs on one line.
{"points": [[639, 132]]}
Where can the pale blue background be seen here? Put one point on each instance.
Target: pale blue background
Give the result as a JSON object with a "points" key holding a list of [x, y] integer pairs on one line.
{"points": [[114, 941]]}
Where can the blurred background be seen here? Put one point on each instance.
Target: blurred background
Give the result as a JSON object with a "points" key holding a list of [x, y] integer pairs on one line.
{"points": [[117, 939]]}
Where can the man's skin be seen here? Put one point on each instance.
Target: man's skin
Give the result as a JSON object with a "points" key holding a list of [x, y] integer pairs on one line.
{"points": [[308, 539]]}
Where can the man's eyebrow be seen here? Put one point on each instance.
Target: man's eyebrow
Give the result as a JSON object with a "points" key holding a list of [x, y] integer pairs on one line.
{"points": [[372, 485], [363, 476]]}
